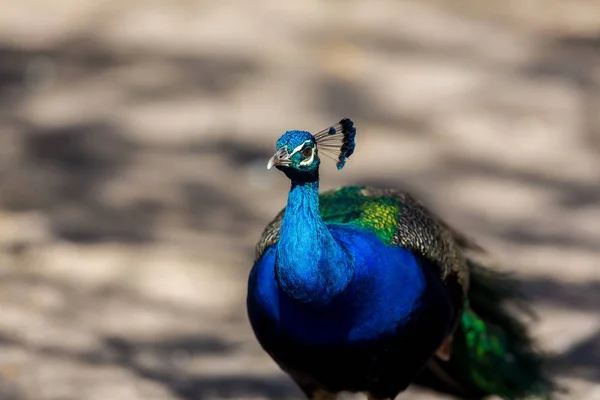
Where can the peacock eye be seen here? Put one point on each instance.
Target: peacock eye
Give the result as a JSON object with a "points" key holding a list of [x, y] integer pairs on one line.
{"points": [[307, 152]]}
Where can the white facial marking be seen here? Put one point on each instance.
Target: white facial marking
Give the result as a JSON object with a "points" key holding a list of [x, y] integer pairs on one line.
{"points": [[298, 148], [310, 160]]}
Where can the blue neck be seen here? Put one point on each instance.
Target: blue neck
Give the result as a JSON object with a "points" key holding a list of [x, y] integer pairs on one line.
{"points": [[310, 266]]}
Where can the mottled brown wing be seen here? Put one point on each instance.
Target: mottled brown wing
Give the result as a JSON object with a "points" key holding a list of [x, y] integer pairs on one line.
{"points": [[269, 236]]}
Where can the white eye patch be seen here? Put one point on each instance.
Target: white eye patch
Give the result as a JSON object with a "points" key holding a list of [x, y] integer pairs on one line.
{"points": [[310, 160], [298, 148]]}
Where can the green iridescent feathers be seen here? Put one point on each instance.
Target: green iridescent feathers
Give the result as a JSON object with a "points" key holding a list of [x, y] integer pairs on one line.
{"points": [[352, 205], [355, 205], [397, 219], [492, 351]]}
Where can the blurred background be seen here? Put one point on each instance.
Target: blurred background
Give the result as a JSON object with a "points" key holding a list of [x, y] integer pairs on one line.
{"points": [[134, 137]]}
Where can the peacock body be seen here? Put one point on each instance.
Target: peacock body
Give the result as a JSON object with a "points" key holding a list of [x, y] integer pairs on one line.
{"points": [[363, 289]]}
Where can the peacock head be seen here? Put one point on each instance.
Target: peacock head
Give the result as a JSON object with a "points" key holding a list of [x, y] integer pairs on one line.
{"points": [[297, 152]]}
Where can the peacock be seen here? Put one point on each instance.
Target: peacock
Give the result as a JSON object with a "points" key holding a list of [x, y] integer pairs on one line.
{"points": [[363, 289]]}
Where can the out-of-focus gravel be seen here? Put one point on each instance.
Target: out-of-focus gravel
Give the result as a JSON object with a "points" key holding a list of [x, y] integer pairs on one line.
{"points": [[133, 142]]}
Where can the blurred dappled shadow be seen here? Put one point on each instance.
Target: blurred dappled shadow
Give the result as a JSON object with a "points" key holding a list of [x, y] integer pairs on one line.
{"points": [[61, 169], [89, 143]]}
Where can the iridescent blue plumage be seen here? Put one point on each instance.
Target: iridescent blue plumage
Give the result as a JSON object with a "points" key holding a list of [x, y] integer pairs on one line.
{"points": [[311, 265], [378, 296], [357, 289], [335, 303]]}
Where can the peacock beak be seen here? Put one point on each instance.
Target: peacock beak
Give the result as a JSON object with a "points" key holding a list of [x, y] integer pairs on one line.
{"points": [[281, 157]]}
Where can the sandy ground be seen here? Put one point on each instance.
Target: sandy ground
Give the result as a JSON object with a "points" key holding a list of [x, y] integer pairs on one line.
{"points": [[133, 142]]}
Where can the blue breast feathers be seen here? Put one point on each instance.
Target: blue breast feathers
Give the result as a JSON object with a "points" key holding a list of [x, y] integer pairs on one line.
{"points": [[386, 289]]}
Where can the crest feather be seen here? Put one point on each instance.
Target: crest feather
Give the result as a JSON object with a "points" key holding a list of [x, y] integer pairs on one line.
{"points": [[337, 141]]}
